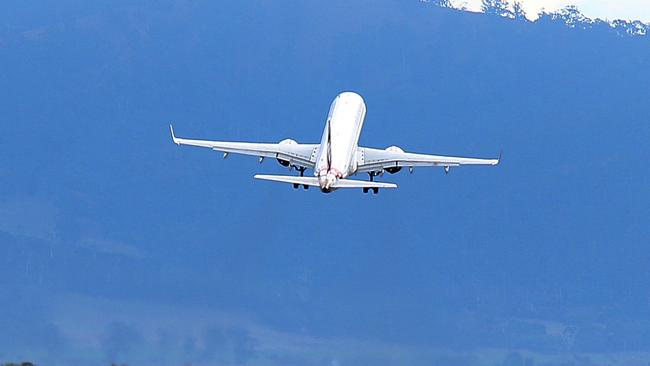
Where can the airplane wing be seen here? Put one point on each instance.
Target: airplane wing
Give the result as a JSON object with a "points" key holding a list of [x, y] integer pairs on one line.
{"points": [[302, 155], [377, 159]]}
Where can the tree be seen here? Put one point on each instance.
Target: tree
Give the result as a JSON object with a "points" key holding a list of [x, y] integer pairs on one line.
{"points": [[496, 7], [518, 11], [630, 28], [441, 3], [573, 18]]}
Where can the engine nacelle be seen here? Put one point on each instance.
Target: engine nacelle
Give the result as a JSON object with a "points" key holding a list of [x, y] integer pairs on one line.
{"points": [[396, 169], [286, 142]]}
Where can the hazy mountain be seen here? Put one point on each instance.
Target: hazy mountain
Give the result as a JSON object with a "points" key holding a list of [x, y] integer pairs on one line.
{"points": [[118, 246]]}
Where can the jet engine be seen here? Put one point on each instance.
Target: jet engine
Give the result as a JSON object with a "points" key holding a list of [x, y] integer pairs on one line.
{"points": [[396, 169], [286, 142]]}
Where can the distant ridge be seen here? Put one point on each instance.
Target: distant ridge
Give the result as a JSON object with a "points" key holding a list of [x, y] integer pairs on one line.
{"points": [[570, 16]]}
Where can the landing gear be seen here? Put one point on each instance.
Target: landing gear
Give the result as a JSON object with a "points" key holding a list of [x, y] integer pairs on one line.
{"points": [[300, 170], [372, 176]]}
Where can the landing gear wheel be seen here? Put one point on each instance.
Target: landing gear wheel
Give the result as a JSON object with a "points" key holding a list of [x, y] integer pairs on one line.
{"points": [[296, 185], [365, 189], [305, 187], [375, 190]]}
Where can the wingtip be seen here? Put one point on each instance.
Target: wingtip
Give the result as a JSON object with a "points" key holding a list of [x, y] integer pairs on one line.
{"points": [[171, 129], [498, 160]]}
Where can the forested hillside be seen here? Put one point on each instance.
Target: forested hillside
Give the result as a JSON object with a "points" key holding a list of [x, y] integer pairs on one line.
{"points": [[116, 246]]}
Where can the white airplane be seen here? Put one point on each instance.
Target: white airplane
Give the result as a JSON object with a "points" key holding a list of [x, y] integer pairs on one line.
{"points": [[338, 155]]}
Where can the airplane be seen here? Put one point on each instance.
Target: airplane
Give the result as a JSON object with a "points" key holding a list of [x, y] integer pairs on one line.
{"points": [[338, 155]]}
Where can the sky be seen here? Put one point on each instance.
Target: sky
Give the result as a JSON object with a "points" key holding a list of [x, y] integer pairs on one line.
{"points": [[117, 246], [603, 9]]}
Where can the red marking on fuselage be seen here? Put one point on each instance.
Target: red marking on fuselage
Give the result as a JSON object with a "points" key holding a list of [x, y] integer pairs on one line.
{"points": [[336, 172]]}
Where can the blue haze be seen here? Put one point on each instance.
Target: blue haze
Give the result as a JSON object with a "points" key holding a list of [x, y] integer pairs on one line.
{"points": [[118, 246]]}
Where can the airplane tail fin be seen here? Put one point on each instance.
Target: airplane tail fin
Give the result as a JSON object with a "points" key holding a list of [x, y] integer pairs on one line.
{"points": [[313, 181]]}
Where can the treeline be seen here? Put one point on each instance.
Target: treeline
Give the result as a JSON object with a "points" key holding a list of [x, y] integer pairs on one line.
{"points": [[569, 16]]}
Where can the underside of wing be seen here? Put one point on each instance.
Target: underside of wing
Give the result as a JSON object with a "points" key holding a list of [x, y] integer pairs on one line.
{"points": [[289, 151], [376, 159]]}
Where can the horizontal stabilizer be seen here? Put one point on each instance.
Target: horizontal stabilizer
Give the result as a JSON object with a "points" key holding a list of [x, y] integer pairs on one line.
{"points": [[350, 183], [313, 181]]}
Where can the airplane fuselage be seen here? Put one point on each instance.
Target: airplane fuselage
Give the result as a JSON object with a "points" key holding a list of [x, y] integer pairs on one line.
{"points": [[336, 157]]}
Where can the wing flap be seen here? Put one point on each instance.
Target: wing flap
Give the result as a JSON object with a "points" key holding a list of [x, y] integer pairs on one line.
{"points": [[377, 159]]}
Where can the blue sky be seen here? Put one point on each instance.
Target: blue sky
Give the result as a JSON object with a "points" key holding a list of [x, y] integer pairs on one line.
{"points": [[118, 246]]}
